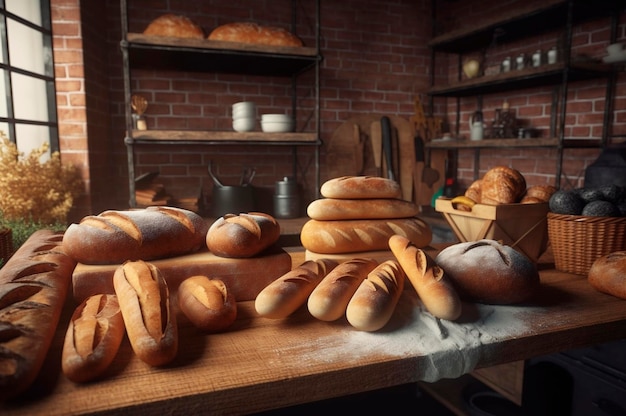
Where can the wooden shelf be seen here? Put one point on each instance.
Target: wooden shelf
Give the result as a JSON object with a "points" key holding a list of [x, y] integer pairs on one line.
{"points": [[221, 137], [510, 143]]}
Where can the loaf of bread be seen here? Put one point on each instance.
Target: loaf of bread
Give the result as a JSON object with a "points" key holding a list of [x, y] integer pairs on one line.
{"points": [[286, 294], [253, 33], [537, 194], [474, 191], [330, 209], [174, 26], [150, 322], [350, 236], [360, 187], [33, 288], [428, 279], [502, 185], [329, 299], [486, 271], [375, 300], [608, 274], [143, 234], [207, 303], [243, 235], [93, 337]]}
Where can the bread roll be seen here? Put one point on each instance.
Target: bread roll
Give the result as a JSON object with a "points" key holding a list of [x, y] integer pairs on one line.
{"points": [[474, 191], [329, 209], [428, 279], [93, 337], [33, 287], [486, 271], [207, 303], [502, 185], [537, 194], [608, 274], [143, 234], [243, 235], [174, 26], [360, 187], [145, 303], [286, 294], [375, 300], [351, 236], [252, 33], [329, 299]]}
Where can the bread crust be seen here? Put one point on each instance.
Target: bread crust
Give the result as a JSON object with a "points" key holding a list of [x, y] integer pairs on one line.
{"points": [[93, 338], [474, 191], [33, 287], [243, 235], [350, 236], [537, 194], [113, 237], [502, 185], [608, 274], [360, 187], [253, 33], [375, 300], [329, 209], [172, 25], [207, 303], [427, 278], [329, 299]]}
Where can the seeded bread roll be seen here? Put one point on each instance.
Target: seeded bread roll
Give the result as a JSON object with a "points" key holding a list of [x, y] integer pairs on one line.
{"points": [[502, 185], [330, 209], [252, 33], [243, 235], [360, 187], [207, 303], [608, 274], [174, 26]]}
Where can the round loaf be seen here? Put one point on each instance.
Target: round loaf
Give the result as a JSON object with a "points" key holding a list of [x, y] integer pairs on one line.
{"points": [[248, 32], [502, 185], [608, 274], [538, 193], [243, 235], [174, 26], [474, 191], [486, 271], [328, 209], [360, 187], [207, 303]]}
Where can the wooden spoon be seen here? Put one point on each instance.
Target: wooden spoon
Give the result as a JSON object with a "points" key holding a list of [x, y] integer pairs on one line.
{"points": [[139, 104]]}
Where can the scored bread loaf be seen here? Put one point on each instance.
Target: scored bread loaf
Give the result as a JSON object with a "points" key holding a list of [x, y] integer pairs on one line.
{"points": [[428, 279], [607, 274], [144, 301], [33, 287], [253, 33], [350, 236], [329, 299], [93, 337], [113, 237], [329, 209], [502, 185], [286, 294], [360, 187], [375, 300], [174, 26], [207, 303], [243, 235]]}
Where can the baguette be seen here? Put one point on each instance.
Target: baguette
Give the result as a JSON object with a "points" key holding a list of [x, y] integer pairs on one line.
{"points": [[329, 299], [207, 303], [350, 236], [376, 298], [144, 300], [429, 281], [33, 287], [93, 337], [243, 235], [286, 294], [113, 237], [330, 209], [360, 187]]}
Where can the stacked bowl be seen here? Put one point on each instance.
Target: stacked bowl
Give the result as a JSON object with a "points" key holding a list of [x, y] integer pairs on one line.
{"points": [[244, 116], [276, 123]]}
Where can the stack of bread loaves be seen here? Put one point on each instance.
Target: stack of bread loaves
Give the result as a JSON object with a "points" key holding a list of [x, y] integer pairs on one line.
{"points": [[358, 214]]}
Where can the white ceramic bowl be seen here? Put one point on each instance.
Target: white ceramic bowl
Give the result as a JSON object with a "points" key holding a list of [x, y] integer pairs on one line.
{"points": [[244, 109], [244, 124], [276, 118], [276, 126], [615, 49]]}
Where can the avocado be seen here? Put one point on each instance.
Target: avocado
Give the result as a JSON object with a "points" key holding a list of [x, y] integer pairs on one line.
{"points": [[612, 193], [567, 202], [601, 209], [591, 194]]}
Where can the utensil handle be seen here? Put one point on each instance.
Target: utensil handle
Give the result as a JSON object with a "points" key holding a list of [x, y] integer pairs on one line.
{"points": [[385, 126]]}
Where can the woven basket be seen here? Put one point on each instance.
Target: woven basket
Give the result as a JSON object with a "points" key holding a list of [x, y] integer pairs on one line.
{"points": [[577, 241], [6, 244]]}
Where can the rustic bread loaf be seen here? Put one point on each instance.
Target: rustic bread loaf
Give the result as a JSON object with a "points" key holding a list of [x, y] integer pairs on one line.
{"points": [[351, 236], [243, 235], [608, 274], [33, 288], [329, 209], [537, 194], [174, 26], [207, 303], [252, 33], [360, 187], [113, 237], [502, 185], [474, 191], [93, 337], [486, 271]]}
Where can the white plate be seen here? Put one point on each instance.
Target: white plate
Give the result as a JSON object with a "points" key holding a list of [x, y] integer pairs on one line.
{"points": [[611, 59]]}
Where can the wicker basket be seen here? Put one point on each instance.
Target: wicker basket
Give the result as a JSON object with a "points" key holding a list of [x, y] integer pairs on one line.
{"points": [[577, 241], [6, 244]]}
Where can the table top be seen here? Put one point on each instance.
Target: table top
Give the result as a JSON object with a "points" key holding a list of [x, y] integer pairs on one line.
{"points": [[260, 363]]}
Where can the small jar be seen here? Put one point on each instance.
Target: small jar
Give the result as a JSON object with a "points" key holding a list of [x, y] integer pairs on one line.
{"points": [[139, 122], [520, 61], [506, 64], [552, 55], [536, 59]]}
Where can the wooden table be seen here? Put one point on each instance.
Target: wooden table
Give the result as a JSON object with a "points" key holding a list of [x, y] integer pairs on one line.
{"points": [[262, 364]]}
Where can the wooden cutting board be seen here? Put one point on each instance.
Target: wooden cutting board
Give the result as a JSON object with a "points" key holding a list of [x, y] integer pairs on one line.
{"points": [[244, 277]]}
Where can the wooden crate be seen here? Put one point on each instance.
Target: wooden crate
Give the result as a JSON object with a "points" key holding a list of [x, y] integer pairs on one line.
{"points": [[521, 226]]}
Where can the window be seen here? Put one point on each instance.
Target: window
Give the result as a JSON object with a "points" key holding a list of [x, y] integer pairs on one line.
{"points": [[28, 113]]}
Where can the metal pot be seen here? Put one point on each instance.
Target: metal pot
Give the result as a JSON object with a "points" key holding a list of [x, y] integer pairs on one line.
{"points": [[232, 200], [287, 199]]}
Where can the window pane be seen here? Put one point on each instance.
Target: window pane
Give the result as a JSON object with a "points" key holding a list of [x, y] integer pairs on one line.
{"points": [[29, 98], [26, 9], [23, 41], [4, 112], [31, 137]]}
